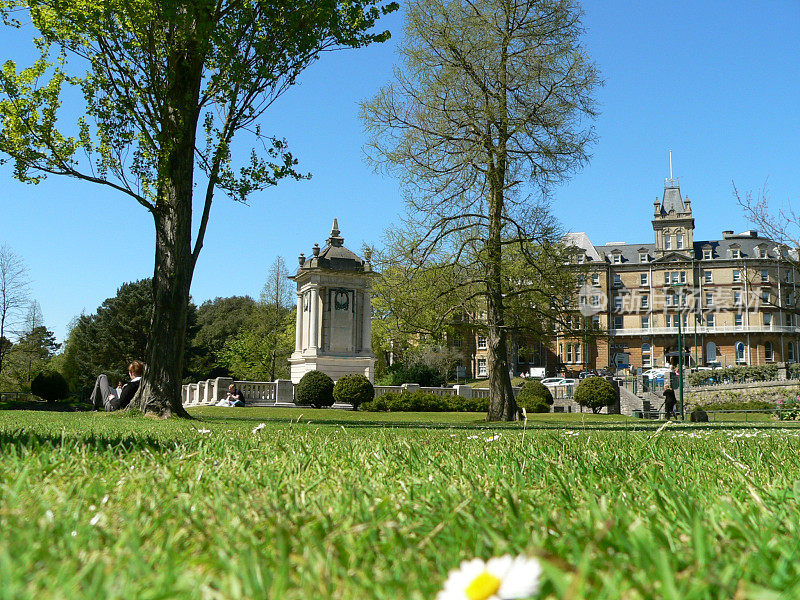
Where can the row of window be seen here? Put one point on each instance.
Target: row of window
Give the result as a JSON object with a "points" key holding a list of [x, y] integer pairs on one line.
{"points": [[710, 320], [712, 353], [678, 277]]}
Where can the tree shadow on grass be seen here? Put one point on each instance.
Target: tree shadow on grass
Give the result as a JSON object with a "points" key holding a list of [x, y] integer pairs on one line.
{"points": [[317, 419], [45, 406], [92, 441]]}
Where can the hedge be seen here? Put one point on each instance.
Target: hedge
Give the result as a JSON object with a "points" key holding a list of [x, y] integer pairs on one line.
{"points": [[424, 402], [735, 374]]}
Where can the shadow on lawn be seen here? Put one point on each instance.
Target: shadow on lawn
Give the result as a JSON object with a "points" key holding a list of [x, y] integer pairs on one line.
{"points": [[91, 441], [533, 424], [45, 406]]}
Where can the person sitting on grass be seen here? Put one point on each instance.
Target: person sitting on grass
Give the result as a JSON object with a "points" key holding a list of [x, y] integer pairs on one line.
{"points": [[234, 398], [104, 397]]}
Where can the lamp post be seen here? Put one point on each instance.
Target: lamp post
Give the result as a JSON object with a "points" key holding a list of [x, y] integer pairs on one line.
{"points": [[680, 345], [680, 360], [696, 300]]}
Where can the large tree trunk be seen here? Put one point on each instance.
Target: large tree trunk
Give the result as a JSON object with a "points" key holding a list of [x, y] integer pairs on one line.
{"points": [[160, 392], [502, 406]]}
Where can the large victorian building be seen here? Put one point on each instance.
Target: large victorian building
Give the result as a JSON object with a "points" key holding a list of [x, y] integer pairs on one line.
{"points": [[733, 299]]}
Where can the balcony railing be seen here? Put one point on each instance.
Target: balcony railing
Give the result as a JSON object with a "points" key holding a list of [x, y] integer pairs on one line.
{"points": [[689, 330]]}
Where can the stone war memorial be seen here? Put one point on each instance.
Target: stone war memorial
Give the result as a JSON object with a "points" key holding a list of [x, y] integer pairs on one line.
{"points": [[333, 330]]}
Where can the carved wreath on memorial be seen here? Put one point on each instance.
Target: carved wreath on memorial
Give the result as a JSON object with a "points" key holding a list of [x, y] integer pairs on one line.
{"points": [[341, 299]]}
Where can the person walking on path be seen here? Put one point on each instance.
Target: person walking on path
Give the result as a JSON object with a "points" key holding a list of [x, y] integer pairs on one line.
{"points": [[104, 397], [669, 402]]}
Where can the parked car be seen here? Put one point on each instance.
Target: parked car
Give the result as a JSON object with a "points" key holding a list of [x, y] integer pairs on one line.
{"points": [[585, 374], [553, 381], [568, 381]]}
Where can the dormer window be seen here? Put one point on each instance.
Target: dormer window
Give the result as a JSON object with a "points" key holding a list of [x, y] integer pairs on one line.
{"points": [[616, 258], [735, 253], [643, 257], [580, 258], [761, 252], [706, 253]]}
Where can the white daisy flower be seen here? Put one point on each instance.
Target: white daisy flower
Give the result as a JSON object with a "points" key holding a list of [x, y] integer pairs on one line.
{"points": [[494, 438], [203, 431], [503, 578]]}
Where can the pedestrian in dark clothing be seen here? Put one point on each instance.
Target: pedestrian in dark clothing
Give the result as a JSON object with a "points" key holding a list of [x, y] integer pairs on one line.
{"points": [[669, 402], [104, 397]]}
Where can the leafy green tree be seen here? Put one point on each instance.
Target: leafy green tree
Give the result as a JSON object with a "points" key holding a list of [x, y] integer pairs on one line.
{"points": [[167, 86], [595, 393], [488, 108], [219, 321], [108, 340], [13, 296]]}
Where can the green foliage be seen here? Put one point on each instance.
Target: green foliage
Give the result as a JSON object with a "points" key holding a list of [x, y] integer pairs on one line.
{"points": [[108, 340], [353, 389], [789, 409], [419, 373], [420, 401], [315, 389], [595, 393], [50, 385], [735, 374], [734, 405], [218, 322], [535, 397]]}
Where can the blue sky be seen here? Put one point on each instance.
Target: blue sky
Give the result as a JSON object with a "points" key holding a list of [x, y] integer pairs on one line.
{"points": [[718, 83]]}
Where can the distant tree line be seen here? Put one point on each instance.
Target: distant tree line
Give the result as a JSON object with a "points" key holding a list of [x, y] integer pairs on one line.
{"points": [[235, 336]]}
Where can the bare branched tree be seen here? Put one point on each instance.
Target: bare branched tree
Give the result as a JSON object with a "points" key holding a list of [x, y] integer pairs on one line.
{"points": [[13, 295], [488, 109]]}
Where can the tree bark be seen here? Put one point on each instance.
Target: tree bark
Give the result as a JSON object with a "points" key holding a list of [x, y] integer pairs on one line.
{"points": [[502, 406], [160, 391]]}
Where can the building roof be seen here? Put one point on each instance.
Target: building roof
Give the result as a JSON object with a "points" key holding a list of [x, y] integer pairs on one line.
{"points": [[672, 199], [579, 239], [746, 242], [334, 256]]}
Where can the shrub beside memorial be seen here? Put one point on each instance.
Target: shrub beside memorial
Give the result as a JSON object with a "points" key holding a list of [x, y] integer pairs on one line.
{"points": [[595, 393], [50, 386], [424, 402], [315, 389], [353, 389], [535, 397]]}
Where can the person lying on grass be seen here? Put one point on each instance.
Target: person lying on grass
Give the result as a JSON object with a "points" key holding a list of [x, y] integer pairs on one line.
{"points": [[104, 397]]}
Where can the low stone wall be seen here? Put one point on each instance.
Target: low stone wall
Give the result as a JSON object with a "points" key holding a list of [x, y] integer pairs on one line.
{"points": [[769, 391]]}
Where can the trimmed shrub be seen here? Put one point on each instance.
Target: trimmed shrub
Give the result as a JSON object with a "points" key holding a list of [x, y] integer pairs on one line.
{"points": [[424, 402], [595, 393], [421, 374], [535, 397], [50, 386], [315, 389], [353, 389], [735, 374]]}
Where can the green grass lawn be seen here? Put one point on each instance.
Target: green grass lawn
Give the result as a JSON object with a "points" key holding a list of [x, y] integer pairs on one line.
{"points": [[340, 504]]}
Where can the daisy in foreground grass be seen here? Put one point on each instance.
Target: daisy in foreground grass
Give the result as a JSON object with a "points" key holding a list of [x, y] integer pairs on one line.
{"points": [[503, 578]]}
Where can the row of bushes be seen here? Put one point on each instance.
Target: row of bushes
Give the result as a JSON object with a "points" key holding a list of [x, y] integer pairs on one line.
{"points": [[746, 405], [735, 374], [317, 389], [424, 402]]}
